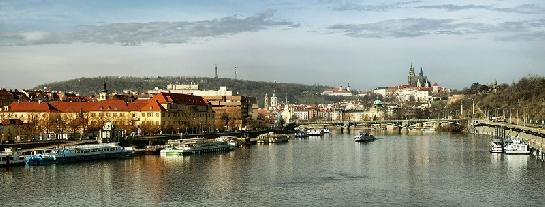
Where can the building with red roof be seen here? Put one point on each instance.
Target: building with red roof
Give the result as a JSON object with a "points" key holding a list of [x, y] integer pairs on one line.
{"points": [[163, 111]]}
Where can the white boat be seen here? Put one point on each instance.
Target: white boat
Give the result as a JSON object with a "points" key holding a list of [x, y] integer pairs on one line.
{"points": [[301, 134], [272, 138], [231, 140], [364, 137], [325, 130], [10, 158], [315, 132], [194, 146], [80, 153], [496, 146], [516, 146]]}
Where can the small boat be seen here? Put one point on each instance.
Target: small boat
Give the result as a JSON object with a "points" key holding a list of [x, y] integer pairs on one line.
{"points": [[364, 137], [496, 146], [80, 153], [315, 132], [195, 146], [272, 138], [325, 130], [10, 158], [301, 134], [231, 140], [516, 146]]}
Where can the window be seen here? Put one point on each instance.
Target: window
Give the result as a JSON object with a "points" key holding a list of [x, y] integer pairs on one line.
{"points": [[149, 114], [143, 114], [157, 115]]}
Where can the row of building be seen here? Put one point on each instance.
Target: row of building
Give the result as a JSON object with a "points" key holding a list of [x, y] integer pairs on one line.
{"points": [[178, 108]]}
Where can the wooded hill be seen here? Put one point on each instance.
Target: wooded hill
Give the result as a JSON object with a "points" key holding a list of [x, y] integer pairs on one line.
{"points": [[527, 96], [296, 93]]}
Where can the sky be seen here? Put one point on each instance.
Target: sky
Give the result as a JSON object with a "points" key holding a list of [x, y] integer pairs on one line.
{"points": [[329, 42]]}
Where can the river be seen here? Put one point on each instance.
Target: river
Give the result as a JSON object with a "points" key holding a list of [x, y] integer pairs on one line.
{"points": [[395, 170]]}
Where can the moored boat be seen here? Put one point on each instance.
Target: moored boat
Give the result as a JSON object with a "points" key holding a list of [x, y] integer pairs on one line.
{"points": [[195, 146], [496, 146], [301, 134], [516, 146], [315, 132], [272, 138], [80, 153], [11, 158], [364, 137], [325, 130], [231, 140]]}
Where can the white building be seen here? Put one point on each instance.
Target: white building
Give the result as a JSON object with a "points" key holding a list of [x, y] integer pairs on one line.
{"points": [[193, 89]]}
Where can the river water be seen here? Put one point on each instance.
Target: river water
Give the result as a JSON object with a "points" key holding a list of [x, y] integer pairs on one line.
{"points": [[395, 170]]}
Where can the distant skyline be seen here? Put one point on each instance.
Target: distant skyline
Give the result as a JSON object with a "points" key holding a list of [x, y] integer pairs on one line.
{"points": [[328, 42]]}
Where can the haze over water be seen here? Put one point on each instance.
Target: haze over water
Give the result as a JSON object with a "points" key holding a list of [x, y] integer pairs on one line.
{"points": [[422, 170]]}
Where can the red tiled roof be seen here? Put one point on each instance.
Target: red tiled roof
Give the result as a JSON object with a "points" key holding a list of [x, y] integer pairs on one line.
{"points": [[164, 98], [108, 105], [147, 105], [31, 107]]}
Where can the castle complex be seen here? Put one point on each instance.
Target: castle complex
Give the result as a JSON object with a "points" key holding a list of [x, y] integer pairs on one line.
{"points": [[419, 80]]}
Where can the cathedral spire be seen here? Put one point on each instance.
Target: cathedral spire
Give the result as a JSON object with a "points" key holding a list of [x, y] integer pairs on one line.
{"points": [[421, 72]]}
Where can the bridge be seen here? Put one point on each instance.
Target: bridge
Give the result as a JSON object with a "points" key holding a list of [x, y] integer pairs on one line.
{"points": [[534, 135], [533, 130], [399, 122]]}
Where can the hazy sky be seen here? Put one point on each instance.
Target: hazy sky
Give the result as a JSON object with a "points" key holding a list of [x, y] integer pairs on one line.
{"points": [[331, 42]]}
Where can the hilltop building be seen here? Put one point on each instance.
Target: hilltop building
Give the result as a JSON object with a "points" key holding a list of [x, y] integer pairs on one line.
{"points": [[419, 80], [340, 91]]}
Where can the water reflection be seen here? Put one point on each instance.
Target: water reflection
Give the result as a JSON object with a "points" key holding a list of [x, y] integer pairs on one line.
{"points": [[421, 170]]}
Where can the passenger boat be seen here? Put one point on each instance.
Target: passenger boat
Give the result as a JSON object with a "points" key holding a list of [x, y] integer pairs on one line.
{"points": [[496, 146], [364, 137], [195, 146], [272, 138], [80, 153], [516, 146], [10, 158], [325, 130], [315, 132]]}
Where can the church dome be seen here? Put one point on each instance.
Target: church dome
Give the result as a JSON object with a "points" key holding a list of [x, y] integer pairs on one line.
{"points": [[377, 102]]}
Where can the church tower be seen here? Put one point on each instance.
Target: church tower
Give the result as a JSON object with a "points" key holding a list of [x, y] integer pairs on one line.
{"points": [[103, 95], [411, 76], [274, 101], [266, 101]]}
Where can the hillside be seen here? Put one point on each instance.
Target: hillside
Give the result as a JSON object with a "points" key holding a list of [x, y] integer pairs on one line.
{"points": [[296, 93], [527, 97]]}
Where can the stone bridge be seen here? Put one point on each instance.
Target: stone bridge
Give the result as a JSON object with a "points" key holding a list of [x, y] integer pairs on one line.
{"points": [[399, 123]]}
